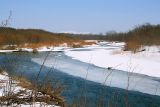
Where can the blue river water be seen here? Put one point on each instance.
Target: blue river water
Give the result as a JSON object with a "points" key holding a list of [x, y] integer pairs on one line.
{"points": [[77, 90]]}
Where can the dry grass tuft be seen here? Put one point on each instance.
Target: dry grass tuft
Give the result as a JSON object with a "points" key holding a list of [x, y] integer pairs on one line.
{"points": [[132, 46], [22, 82]]}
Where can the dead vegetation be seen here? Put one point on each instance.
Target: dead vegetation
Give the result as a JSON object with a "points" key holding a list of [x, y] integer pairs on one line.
{"points": [[18, 90], [34, 38], [21, 81]]}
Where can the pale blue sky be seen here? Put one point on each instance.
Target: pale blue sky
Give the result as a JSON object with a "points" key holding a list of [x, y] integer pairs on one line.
{"points": [[96, 16]]}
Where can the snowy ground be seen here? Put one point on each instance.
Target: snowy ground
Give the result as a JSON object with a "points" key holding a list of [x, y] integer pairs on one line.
{"points": [[41, 49], [112, 55], [5, 88]]}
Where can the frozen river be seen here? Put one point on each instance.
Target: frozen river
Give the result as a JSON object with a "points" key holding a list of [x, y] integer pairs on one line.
{"points": [[78, 76]]}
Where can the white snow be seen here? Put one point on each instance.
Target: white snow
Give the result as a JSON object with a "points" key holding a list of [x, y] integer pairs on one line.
{"points": [[146, 62], [5, 88], [7, 50], [27, 49], [41, 49]]}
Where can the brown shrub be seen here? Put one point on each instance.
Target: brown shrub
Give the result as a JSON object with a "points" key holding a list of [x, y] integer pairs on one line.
{"points": [[132, 46], [22, 82]]}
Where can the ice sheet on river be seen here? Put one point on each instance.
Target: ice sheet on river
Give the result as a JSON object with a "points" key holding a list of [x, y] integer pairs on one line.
{"points": [[114, 78]]}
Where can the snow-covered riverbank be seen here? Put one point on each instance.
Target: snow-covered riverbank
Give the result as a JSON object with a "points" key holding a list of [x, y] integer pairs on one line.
{"points": [[111, 55], [9, 87], [41, 49]]}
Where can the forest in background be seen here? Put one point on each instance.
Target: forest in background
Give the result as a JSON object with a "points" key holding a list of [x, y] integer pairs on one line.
{"points": [[144, 35], [20, 36]]}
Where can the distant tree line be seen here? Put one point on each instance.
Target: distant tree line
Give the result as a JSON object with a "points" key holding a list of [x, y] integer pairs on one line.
{"points": [[11, 36], [146, 34]]}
